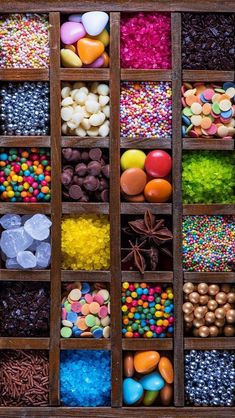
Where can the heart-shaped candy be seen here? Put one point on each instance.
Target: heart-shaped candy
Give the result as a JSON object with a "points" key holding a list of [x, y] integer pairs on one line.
{"points": [[89, 49], [95, 22], [71, 32], [99, 62], [70, 59]]}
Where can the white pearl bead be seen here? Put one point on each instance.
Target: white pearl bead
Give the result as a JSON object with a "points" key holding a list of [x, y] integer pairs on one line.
{"points": [[103, 89]]}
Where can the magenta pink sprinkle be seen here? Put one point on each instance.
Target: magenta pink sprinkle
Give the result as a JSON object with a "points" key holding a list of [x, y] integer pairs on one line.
{"points": [[146, 40]]}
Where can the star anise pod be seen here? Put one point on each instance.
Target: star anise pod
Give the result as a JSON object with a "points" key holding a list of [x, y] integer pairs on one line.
{"points": [[151, 229], [136, 253]]}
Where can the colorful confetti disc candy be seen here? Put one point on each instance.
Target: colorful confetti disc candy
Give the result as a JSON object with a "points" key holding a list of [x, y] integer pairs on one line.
{"points": [[158, 163], [158, 191]]}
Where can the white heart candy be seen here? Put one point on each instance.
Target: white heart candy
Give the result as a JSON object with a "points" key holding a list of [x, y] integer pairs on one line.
{"points": [[95, 22]]}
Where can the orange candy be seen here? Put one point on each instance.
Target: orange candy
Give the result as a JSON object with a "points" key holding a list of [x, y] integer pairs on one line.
{"points": [[89, 49], [191, 99], [106, 59], [146, 361], [166, 394], [166, 369], [128, 364], [158, 191]]}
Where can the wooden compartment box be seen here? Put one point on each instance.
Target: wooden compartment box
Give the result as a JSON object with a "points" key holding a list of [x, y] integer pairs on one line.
{"points": [[115, 208]]}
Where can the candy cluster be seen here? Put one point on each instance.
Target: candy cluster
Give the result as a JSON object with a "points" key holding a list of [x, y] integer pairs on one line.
{"points": [[24, 108], [208, 243], [142, 177], [84, 39], [93, 388], [148, 379], [209, 309], [85, 311], [25, 175], [24, 41], [85, 109], [208, 110], [86, 242], [209, 378], [24, 378], [85, 175], [208, 41], [208, 177], [147, 310], [145, 109], [145, 40], [25, 309], [25, 241]]}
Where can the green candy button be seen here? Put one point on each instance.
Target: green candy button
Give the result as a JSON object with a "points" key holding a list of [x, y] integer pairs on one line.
{"points": [[216, 108], [65, 332], [90, 320]]}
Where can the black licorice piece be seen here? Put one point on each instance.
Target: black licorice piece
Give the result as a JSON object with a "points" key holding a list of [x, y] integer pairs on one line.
{"points": [[208, 41]]}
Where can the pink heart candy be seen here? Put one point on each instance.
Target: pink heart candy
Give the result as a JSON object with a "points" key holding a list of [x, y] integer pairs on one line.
{"points": [[71, 32]]}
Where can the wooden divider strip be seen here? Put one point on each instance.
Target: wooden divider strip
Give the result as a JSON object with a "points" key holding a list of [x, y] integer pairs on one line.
{"points": [[115, 287], [54, 355], [177, 209]]}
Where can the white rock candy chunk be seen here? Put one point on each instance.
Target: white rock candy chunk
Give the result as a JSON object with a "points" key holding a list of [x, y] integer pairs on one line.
{"points": [[10, 221], [43, 254], [38, 227], [15, 240], [11, 263], [26, 259]]}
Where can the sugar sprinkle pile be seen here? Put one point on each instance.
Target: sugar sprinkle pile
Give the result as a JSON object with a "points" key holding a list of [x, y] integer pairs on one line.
{"points": [[208, 243], [146, 109], [24, 41]]}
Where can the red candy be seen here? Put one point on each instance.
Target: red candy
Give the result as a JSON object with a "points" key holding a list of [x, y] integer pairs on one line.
{"points": [[158, 163]]}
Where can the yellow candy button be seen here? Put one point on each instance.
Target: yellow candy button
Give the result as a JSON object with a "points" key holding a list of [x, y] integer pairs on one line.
{"points": [[196, 108], [225, 105], [196, 120]]}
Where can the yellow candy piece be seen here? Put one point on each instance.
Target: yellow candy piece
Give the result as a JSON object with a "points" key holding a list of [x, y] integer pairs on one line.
{"points": [[69, 59], [102, 37]]}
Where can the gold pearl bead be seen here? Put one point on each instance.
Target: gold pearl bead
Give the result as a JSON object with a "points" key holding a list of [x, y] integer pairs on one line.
{"points": [[210, 317], [204, 299], [219, 313], [213, 331], [231, 297], [194, 297], [221, 298], [212, 305], [188, 288], [187, 307], [213, 289], [229, 331], [198, 322], [226, 287], [230, 316], [202, 288], [203, 332]]}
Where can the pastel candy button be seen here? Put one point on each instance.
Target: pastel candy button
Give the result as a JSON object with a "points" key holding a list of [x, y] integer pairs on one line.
{"points": [[104, 293], [206, 123], [63, 313], [98, 298], [225, 104], [105, 321], [106, 332], [71, 32], [72, 316], [152, 381], [222, 131], [230, 92], [75, 294], [86, 334], [94, 307], [81, 324], [196, 120], [196, 108], [98, 333], [85, 309], [206, 109], [88, 298], [208, 94], [103, 312], [85, 288], [67, 323], [95, 22], [90, 320], [76, 307], [65, 332]]}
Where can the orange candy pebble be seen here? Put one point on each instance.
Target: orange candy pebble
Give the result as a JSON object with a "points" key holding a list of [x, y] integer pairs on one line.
{"points": [[128, 364], [81, 324], [146, 361], [45, 189], [85, 309], [129, 334], [158, 191], [106, 59], [166, 369]]}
